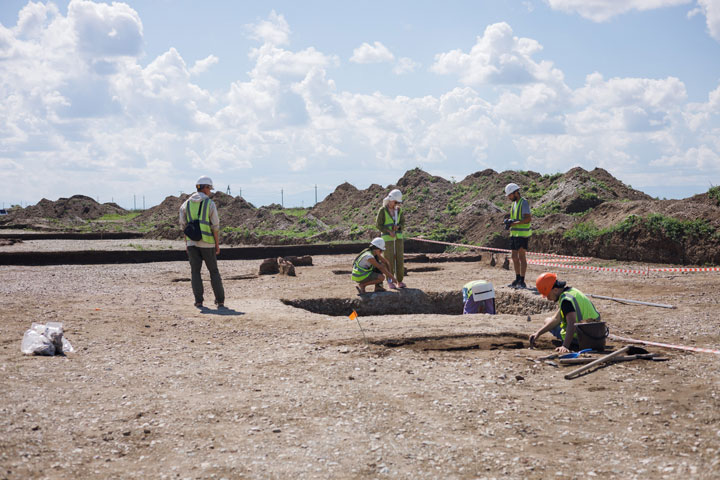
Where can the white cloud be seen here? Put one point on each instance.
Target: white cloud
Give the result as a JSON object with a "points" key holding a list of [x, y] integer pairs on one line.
{"points": [[297, 164], [375, 53], [711, 10], [405, 65], [112, 121], [203, 65], [274, 31], [498, 58], [106, 30], [703, 158], [603, 10]]}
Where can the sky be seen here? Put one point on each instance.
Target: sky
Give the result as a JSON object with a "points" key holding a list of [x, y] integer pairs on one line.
{"points": [[282, 101]]}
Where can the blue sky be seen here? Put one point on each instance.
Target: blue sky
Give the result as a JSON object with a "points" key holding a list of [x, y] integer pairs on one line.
{"points": [[140, 98]]}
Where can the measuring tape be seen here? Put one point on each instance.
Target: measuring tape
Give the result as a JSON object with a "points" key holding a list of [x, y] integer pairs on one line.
{"points": [[665, 345]]}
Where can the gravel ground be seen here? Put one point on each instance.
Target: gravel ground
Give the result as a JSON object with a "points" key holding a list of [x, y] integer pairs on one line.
{"points": [[159, 389], [84, 245]]}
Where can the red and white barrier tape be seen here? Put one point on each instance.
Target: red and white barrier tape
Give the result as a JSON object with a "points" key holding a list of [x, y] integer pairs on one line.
{"points": [[664, 345], [503, 250], [686, 269], [588, 267], [548, 262]]}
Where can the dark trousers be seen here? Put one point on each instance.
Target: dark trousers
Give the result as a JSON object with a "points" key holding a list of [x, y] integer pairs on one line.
{"points": [[197, 255]]}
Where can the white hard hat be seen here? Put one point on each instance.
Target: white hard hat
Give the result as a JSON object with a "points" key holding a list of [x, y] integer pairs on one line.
{"points": [[204, 180], [378, 242], [395, 195], [510, 188]]}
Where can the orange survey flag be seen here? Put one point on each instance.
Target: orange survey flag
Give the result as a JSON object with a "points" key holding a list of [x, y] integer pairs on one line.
{"points": [[353, 315]]}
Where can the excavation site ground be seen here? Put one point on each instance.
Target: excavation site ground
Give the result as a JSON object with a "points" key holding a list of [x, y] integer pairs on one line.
{"points": [[283, 384]]}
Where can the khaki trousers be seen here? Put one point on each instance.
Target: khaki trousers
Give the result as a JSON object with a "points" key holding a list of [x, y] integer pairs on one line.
{"points": [[395, 254]]}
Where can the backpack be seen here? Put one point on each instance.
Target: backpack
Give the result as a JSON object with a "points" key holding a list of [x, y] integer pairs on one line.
{"points": [[192, 229]]}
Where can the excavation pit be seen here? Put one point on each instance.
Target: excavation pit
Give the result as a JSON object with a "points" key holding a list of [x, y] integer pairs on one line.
{"points": [[412, 301], [407, 270], [459, 343]]}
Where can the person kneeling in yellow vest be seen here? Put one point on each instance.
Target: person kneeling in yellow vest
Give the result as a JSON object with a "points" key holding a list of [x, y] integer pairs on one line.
{"points": [[371, 268], [575, 307]]}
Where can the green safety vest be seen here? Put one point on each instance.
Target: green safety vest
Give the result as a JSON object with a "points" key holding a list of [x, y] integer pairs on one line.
{"points": [[523, 230], [389, 222], [359, 273], [202, 213], [584, 309]]}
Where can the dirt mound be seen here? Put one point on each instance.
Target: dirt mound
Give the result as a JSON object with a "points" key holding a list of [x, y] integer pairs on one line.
{"points": [[62, 213], [685, 232], [578, 212], [162, 220]]}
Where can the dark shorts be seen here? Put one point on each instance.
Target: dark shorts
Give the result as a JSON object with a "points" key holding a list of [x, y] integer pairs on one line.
{"points": [[373, 276], [516, 243]]}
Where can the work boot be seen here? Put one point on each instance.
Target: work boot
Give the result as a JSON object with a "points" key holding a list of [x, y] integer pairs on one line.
{"points": [[514, 284], [521, 284]]}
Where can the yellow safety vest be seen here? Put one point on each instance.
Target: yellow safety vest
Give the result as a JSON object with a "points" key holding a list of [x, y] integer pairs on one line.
{"points": [[389, 223], [202, 213], [523, 230], [359, 273], [584, 309]]}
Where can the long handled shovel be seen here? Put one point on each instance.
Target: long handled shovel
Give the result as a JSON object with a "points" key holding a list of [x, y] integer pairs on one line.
{"points": [[600, 360]]}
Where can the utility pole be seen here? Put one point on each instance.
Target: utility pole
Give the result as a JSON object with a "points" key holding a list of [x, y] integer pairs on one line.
{"points": [[316, 194], [143, 202], [134, 203], [282, 199]]}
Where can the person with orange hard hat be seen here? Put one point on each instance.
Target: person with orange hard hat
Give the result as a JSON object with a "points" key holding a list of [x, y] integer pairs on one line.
{"points": [[575, 307]]}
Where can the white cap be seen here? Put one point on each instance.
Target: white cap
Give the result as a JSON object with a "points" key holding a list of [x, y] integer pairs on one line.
{"points": [[395, 195], [204, 180], [510, 188], [378, 242]]}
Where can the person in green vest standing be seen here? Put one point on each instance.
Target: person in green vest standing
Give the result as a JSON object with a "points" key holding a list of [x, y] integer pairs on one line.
{"points": [[370, 266], [201, 210], [391, 223], [518, 222], [575, 308]]}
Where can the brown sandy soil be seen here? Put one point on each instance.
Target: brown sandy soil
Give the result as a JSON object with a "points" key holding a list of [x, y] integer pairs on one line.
{"points": [[158, 389]]}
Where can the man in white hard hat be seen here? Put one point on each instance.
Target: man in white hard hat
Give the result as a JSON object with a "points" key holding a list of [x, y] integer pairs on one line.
{"points": [[391, 223], [370, 266], [201, 224], [518, 222]]}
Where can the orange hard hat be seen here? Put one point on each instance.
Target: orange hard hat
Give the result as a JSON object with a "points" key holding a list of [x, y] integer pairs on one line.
{"points": [[545, 282]]}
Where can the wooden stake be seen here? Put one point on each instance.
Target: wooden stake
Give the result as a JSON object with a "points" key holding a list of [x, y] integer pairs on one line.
{"points": [[596, 362]]}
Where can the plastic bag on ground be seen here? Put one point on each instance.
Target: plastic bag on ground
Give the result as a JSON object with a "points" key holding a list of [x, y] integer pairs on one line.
{"points": [[45, 340], [35, 343]]}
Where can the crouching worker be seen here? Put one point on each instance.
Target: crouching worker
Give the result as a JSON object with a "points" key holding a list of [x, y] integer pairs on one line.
{"points": [[478, 297], [575, 307], [371, 267]]}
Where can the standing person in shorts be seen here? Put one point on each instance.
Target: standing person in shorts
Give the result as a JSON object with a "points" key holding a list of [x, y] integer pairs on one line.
{"points": [[519, 224], [199, 207], [370, 266]]}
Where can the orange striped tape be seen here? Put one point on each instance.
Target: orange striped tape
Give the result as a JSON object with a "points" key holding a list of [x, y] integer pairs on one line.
{"points": [[548, 262]]}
